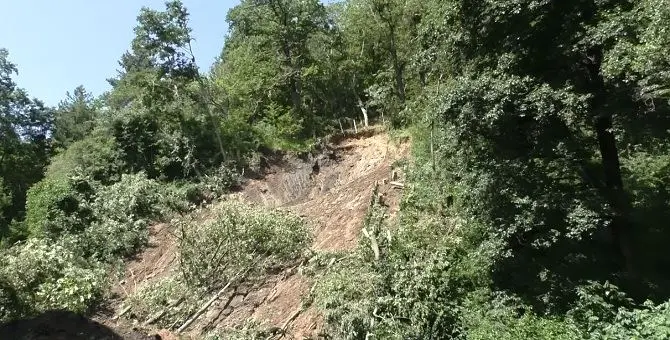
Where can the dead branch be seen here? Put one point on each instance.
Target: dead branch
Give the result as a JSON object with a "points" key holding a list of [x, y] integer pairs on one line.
{"points": [[397, 185], [156, 317], [210, 302], [288, 321], [122, 313], [162, 313], [373, 243]]}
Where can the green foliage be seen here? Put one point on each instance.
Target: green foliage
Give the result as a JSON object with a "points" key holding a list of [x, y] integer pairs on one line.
{"points": [[650, 322], [639, 46], [24, 146], [170, 294], [238, 237], [97, 156], [250, 330], [123, 212], [500, 317], [346, 296], [5, 199], [183, 197], [59, 205], [75, 117], [278, 75], [39, 275]]}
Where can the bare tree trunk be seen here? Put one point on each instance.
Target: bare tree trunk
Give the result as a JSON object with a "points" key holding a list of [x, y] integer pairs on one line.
{"points": [[364, 111]]}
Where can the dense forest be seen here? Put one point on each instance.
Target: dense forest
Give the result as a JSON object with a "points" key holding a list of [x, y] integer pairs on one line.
{"points": [[539, 185]]}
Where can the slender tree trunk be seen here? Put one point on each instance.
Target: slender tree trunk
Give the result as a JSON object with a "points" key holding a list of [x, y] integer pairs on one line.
{"points": [[364, 111], [397, 66], [620, 226], [617, 197], [294, 78]]}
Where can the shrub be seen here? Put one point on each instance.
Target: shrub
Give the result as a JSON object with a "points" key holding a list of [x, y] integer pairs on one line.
{"points": [[123, 211], [237, 237], [97, 156], [58, 205], [5, 202], [39, 276], [184, 196], [650, 322], [489, 316], [169, 294], [347, 297]]}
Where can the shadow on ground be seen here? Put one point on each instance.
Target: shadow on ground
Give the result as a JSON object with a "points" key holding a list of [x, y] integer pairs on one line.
{"points": [[62, 325]]}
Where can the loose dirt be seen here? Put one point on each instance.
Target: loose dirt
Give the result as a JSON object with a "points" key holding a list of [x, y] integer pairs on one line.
{"points": [[331, 190]]}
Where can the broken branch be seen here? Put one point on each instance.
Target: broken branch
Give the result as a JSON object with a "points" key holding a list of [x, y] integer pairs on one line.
{"points": [[209, 302]]}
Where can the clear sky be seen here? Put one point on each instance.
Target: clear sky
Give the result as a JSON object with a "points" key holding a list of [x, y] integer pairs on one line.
{"points": [[59, 45]]}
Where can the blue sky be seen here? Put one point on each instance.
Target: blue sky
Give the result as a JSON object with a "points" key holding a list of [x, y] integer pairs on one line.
{"points": [[58, 45]]}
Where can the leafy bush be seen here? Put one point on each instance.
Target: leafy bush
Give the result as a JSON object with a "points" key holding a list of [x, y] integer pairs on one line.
{"points": [[170, 294], [58, 205], [97, 156], [110, 222], [497, 316], [650, 322], [185, 196], [237, 237], [347, 297], [5, 199], [123, 212], [39, 276]]}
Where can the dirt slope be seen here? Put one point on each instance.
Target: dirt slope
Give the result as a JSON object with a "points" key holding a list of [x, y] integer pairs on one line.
{"points": [[332, 191]]}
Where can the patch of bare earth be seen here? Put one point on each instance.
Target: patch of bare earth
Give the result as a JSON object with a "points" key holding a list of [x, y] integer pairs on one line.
{"points": [[332, 191]]}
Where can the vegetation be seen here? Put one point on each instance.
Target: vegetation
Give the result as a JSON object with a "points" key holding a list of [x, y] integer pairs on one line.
{"points": [[535, 206], [237, 241]]}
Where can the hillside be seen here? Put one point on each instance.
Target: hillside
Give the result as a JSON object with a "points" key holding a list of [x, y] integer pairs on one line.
{"points": [[234, 202], [333, 200]]}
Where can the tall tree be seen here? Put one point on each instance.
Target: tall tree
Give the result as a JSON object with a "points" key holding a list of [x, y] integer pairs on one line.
{"points": [[570, 48], [25, 147], [75, 117], [273, 37]]}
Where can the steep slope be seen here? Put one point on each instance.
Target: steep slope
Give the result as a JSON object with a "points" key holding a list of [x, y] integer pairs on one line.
{"points": [[332, 191]]}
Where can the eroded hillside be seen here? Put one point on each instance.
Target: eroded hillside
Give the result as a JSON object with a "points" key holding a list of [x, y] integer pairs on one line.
{"points": [[331, 191]]}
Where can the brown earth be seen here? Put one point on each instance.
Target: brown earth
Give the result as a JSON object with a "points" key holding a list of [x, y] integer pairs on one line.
{"points": [[332, 191]]}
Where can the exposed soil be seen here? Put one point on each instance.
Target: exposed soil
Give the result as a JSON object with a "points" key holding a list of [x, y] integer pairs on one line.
{"points": [[331, 190]]}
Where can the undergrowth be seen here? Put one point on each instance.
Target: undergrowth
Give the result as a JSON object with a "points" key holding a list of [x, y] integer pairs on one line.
{"points": [[234, 241], [435, 276]]}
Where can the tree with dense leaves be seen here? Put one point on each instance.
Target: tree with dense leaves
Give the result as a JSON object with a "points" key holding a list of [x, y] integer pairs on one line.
{"points": [[269, 67], [75, 117], [25, 145], [164, 117], [547, 103]]}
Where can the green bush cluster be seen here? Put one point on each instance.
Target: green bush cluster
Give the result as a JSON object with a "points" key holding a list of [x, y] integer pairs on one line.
{"points": [[250, 330], [40, 275], [236, 237], [235, 242], [169, 294], [59, 205]]}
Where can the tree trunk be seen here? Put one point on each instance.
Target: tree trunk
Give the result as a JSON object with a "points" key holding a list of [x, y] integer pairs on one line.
{"points": [[616, 196], [397, 67], [364, 111]]}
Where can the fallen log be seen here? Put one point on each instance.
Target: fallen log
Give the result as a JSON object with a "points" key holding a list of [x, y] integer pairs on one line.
{"points": [[210, 302], [397, 185]]}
